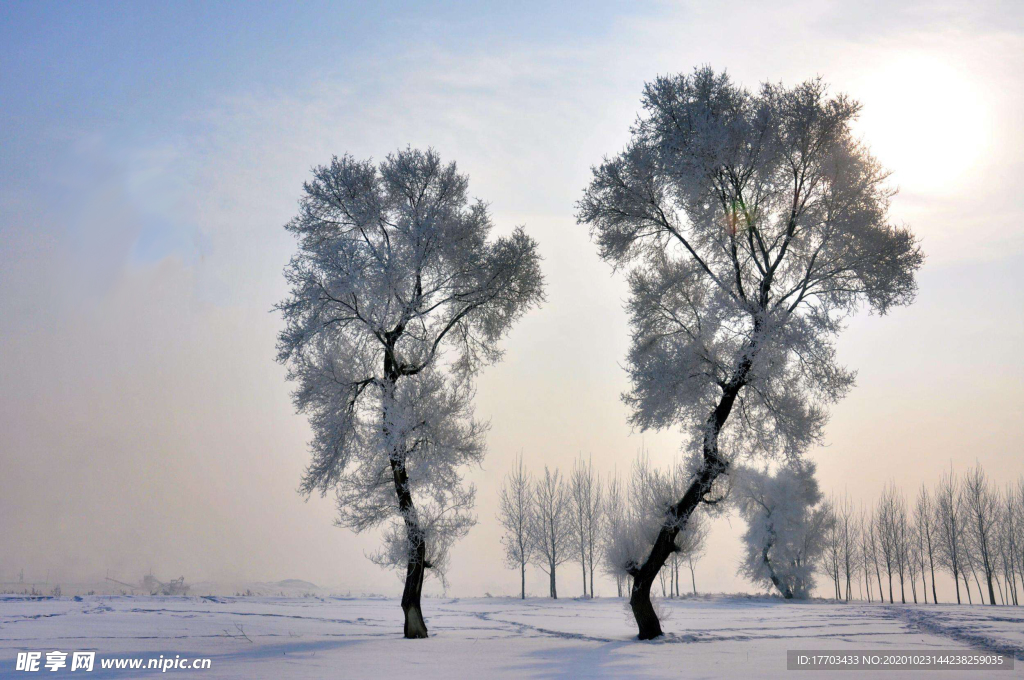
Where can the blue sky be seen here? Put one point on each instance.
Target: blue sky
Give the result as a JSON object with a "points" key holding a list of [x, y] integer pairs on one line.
{"points": [[151, 152]]}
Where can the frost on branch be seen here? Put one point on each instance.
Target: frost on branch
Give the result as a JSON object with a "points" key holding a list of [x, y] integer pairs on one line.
{"points": [[637, 515], [786, 526], [749, 225], [398, 297]]}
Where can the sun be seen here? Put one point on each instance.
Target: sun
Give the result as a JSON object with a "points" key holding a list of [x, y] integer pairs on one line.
{"points": [[927, 120]]}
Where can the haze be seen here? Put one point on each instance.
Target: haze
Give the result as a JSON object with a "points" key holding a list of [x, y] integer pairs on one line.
{"points": [[149, 156]]}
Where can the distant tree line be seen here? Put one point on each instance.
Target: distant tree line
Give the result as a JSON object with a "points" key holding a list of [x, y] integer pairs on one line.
{"points": [[965, 527], [552, 519]]}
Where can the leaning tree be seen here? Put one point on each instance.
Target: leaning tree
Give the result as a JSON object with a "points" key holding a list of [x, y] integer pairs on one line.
{"points": [[397, 298], [751, 225]]}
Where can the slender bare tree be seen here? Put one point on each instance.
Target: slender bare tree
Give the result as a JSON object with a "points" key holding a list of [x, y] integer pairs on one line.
{"points": [[594, 521], [578, 488], [692, 544], [1017, 501], [585, 508], [949, 519], [752, 224], [887, 532], [983, 512], [616, 517], [924, 514], [831, 556], [515, 514], [901, 538], [1010, 536], [866, 549], [551, 527], [874, 544], [912, 552], [398, 297], [849, 563]]}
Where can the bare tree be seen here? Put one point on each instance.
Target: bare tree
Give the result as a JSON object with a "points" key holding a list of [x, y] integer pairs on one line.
{"points": [[1011, 531], [949, 519], [887, 532], [901, 538], [751, 224], [866, 538], [585, 508], [982, 511], [551, 527], [1017, 501], [849, 562], [924, 517], [912, 552], [515, 511], [874, 544], [615, 513], [594, 521], [831, 556], [395, 270], [578, 489], [692, 544]]}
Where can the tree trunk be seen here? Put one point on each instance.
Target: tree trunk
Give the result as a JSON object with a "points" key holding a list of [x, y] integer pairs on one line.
{"points": [[522, 574], [931, 566], [988, 577], [713, 465], [693, 579], [784, 589], [553, 588], [415, 627], [591, 576]]}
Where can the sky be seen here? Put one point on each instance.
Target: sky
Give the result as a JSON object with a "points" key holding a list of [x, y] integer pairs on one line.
{"points": [[150, 155]]}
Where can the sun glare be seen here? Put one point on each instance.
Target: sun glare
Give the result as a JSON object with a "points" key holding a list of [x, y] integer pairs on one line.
{"points": [[926, 120]]}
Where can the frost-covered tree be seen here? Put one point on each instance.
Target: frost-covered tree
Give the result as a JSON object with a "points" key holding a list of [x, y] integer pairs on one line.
{"points": [[551, 526], [650, 492], [751, 225], [786, 526], [398, 297], [514, 514]]}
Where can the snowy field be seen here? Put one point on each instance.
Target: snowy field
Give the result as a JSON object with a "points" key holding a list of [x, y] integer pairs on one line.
{"points": [[312, 637]]}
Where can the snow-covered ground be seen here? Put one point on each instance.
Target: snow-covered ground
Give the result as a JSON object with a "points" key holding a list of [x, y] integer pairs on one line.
{"points": [[312, 637]]}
